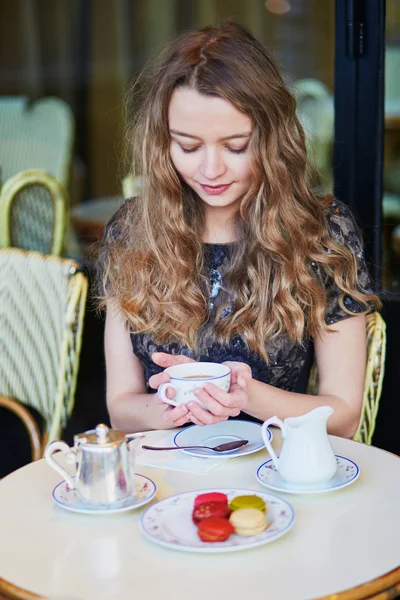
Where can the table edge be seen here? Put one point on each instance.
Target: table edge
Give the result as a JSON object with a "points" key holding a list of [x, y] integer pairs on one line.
{"points": [[389, 582], [369, 589], [14, 592]]}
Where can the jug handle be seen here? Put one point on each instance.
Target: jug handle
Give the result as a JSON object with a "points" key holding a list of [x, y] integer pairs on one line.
{"points": [[282, 426], [69, 455]]}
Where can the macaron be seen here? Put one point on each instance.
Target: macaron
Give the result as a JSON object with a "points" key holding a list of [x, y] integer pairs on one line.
{"points": [[210, 497], [210, 509], [214, 529], [248, 521], [252, 501]]}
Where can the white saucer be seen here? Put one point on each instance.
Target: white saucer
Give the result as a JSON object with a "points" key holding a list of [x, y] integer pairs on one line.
{"points": [[346, 474], [219, 433], [67, 498], [169, 523]]}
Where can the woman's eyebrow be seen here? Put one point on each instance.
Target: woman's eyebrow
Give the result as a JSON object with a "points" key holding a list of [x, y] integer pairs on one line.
{"points": [[195, 137]]}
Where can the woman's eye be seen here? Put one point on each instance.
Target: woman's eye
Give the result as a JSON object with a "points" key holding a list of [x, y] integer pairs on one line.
{"points": [[233, 150], [237, 150], [189, 150]]}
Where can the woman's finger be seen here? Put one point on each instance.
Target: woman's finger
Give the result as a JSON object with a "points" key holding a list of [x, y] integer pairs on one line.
{"points": [[178, 415], [225, 398], [204, 415], [195, 420], [182, 421], [239, 368], [156, 380], [168, 360], [214, 406]]}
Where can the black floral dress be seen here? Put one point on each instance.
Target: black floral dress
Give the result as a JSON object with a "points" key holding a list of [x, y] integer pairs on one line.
{"points": [[289, 363]]}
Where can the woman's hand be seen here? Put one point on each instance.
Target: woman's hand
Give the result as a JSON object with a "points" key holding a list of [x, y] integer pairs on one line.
{"points": [[220, 405], [175, 416]]}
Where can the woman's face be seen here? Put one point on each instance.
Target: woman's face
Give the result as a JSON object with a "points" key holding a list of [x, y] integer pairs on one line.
{"points": [[209, 140]]}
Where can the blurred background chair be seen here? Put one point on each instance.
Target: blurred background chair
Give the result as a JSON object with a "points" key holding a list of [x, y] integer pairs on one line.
{"points": [[36, 135], [41, 322], [316, 113], [392, 83], [376, 352], [40, 136], [33, 209], [131, 186]]}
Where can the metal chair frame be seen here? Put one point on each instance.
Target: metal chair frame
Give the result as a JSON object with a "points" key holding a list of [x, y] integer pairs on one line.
{"points": [[24, 180]]}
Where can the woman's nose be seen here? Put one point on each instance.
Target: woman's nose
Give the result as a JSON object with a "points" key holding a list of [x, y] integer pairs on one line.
{"points": [[212, 165]]}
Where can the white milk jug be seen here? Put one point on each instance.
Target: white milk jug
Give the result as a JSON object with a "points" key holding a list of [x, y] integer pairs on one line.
{"points": [[306, 456]]}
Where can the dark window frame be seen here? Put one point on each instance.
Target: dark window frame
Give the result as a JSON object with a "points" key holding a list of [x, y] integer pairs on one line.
{"points": [[359, 118]]}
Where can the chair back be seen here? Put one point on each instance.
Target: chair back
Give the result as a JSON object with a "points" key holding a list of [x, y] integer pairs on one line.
{"points": [[316, 113], [376, 354], [35, 135], [33, 211], [392, 84], [41, 321]]}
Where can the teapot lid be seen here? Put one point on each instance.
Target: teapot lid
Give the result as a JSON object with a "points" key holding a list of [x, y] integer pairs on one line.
{"points": [[100, 436]]}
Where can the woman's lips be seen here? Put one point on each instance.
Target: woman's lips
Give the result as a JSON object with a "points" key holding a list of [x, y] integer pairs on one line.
{"points": [[214, 190]]}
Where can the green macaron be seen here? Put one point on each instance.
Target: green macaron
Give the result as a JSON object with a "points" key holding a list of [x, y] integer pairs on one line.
{"points": [[248, 502]]}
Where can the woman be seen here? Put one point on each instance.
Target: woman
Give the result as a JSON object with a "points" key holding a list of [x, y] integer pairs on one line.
{"points": [[228, 256]]}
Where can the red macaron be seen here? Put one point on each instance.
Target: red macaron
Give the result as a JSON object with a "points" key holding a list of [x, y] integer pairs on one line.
{"points": [[215, 529], [210, 497], [210, 509]]}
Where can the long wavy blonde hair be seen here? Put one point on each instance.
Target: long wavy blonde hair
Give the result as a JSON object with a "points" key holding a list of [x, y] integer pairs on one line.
{"points": [[152, 259]]}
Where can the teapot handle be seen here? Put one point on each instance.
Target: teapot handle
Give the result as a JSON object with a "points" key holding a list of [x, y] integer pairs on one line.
{"points": [[69, 455], [272, 421]]}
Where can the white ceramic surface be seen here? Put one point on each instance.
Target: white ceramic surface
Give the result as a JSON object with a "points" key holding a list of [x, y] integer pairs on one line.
{"points": [[184, 382], [68, 498], [306, 457], [219, 433], [346, 473], [169, 523]]}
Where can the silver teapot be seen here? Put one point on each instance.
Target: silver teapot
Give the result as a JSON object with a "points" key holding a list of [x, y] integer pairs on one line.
{"points": [[104, 462]]}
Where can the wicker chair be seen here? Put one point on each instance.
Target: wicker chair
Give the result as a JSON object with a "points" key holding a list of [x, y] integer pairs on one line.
{"points": [[41, 321], [376, 352], [36, 135], [33, 212], [316, 112]]}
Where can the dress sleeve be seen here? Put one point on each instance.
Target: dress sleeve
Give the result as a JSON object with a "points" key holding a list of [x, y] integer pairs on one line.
{"points": [[113, 232], [345, 231]]}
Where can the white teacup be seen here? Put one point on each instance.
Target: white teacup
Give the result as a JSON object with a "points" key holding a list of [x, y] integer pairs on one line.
{"points": [[187, 377]]}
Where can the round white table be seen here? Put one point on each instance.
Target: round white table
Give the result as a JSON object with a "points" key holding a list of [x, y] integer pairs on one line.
{"points": [[340, 540]]}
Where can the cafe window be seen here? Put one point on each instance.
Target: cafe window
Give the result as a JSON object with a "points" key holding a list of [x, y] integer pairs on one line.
{"points": [[391, 178], [88, 52]]}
